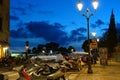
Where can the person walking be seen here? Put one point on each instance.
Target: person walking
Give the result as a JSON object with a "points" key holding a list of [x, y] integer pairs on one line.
{"points": [[103, 57]]}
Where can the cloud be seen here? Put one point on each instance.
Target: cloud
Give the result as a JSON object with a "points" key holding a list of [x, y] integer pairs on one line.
{"points": [[104, 29], [118, 27], [78, 34], [19, 33], [15, 18], [31, 6], [98, 23], [74, 23], [45, 12], [19, 10], [82, 30], [118, 30], [93, 25], [48, 32]]}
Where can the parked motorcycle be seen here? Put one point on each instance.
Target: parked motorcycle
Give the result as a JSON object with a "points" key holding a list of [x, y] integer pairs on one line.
{"points": [[59, 75], [20, 72], [43, 71], [40, 72]]}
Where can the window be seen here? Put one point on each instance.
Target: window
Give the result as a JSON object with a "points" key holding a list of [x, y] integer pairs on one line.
{"points": [[1, 1], [0, 23]]}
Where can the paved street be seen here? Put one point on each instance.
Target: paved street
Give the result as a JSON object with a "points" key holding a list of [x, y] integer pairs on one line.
{"points": [[109, 72], [13, 75]]}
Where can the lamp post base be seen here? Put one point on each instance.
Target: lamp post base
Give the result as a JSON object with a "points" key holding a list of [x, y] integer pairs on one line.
{"points": [[90, 71], [89, 65]]}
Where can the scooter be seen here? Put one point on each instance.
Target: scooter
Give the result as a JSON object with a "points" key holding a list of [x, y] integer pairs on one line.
{"points": [[21, 73], [58, 75], [41, 72], [36, 72]]}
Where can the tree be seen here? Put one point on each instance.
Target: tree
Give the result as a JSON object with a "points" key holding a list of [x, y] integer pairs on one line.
{"points": [[103, 41], [71, 49], [40, 47], [112, 35], [52, 46], [34, 50], [85, 45], [63, 50]]}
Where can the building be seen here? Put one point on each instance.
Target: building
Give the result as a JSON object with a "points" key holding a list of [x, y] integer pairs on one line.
{"points": [[4, 28]]}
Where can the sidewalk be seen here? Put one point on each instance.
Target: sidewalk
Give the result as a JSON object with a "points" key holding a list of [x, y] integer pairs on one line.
{"points": [[6, 69], [109, 72], [3, 69], [10, 74]]}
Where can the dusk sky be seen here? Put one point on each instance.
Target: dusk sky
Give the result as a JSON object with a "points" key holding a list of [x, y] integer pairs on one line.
{"points": [[43, 21]]}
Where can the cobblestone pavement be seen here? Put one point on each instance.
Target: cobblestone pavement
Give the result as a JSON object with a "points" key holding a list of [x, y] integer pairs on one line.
{"points": [[109, 72], [12, 75]]}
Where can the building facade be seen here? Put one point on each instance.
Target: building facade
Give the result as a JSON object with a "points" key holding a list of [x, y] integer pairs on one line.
{"points": [[4, 28]]}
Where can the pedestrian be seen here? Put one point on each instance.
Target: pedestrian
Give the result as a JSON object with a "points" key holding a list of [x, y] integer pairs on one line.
{"points": [[103, 57], [94, 55], [10, 61]]}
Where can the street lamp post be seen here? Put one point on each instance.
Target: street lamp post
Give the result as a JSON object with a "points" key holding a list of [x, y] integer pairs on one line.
{"points": [[88, 14], [27, 48]]}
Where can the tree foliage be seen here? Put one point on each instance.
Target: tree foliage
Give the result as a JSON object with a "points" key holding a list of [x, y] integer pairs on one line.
{"points": [[71, 49], [112, 35], [85, 45], [109, 39], [52, 46]]}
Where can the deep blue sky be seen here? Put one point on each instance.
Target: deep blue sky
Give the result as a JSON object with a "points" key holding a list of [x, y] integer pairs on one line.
{"points": [[42, 21]]}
